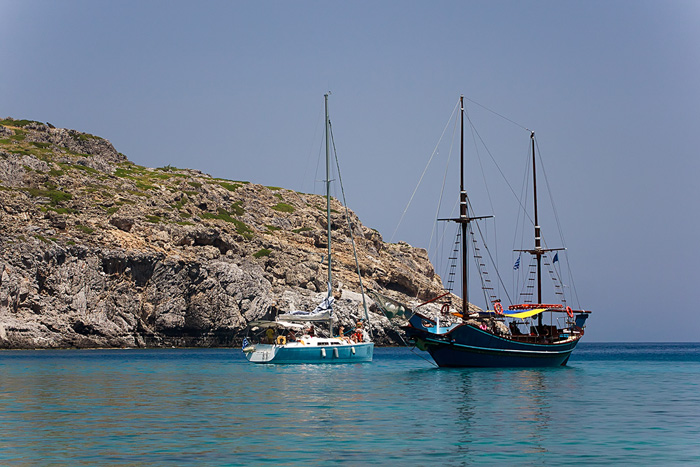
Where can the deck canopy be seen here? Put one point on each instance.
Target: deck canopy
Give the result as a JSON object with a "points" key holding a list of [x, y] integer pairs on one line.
{"points": [[526, 314]]}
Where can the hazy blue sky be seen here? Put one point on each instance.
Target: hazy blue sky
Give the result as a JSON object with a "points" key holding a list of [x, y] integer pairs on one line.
{"points": [[235, 89]]}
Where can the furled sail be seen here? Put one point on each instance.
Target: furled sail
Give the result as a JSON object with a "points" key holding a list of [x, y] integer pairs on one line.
{"points": [[321, 313]]}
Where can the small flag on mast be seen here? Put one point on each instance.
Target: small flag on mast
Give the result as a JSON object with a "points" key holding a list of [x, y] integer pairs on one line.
{"points": [[516, 266], [556, 258]]}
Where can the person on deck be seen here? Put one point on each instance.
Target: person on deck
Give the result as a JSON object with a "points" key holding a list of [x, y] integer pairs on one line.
{"points": [[357, 336], [514, 329]]}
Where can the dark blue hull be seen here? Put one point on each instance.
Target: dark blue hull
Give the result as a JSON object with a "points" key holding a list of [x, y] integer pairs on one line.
{"points": [[467, 346]]}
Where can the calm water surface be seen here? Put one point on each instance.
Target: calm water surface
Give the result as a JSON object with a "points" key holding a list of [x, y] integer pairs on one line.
{"points": [[613, 404]]}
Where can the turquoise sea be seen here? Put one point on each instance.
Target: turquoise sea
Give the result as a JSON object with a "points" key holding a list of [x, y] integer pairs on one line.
{"points": [[618, 404]]}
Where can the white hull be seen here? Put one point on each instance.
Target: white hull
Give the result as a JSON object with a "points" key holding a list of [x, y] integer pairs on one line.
{"points": [[319, 350]]}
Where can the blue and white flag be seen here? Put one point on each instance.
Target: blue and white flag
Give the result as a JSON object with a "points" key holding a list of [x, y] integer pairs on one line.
{"points": [[516, 266], [245, 343], [556, 258]]}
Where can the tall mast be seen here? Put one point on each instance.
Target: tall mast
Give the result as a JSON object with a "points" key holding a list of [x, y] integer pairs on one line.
{"points": [[463, 214], [328, 210], [328, 191], [463, 218], [538, 238]]}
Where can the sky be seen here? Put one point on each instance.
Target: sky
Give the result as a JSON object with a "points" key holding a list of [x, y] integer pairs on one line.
{"points": [[235, 89]]}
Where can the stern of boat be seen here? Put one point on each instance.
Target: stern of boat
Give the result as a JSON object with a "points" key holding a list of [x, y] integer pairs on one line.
{"points": [[260, 353]]}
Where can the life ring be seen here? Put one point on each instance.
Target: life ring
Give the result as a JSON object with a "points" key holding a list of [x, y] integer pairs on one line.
{"points": [[498, 308], [281, 340], [569, 312]]}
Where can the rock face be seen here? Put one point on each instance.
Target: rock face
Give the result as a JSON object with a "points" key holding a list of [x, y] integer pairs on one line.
{"points": [[96, 251]]}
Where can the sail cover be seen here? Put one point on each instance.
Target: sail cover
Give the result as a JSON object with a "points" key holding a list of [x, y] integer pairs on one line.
{"points": [[254, 325], [321, 313]]}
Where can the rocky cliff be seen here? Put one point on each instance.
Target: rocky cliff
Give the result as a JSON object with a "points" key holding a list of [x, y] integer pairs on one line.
{"points": [[96, 251]]}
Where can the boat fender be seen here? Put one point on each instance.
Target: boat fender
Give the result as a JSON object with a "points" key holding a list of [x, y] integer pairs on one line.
{"points": [[335, 353], [323, 352], [498, 308], [569, 312], [281, 340], [352, 349]]}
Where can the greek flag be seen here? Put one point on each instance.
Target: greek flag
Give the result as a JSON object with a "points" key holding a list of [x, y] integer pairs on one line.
{"points": [[556, 258], [516, 266], [245, 343]]}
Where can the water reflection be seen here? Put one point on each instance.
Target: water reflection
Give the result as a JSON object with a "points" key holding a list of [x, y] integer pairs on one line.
{"points": [[465, 414], [532, 406], [215, 408], [500, 413]]}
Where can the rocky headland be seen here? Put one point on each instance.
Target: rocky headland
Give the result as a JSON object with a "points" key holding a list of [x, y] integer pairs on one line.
{"points": [[96, 251]]}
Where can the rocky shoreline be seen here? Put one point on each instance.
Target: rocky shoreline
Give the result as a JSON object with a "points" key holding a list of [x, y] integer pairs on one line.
{"points": [[96, 251]]}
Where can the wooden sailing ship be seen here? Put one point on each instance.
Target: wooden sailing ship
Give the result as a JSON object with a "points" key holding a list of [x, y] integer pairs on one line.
{"points": [[496, 338]]}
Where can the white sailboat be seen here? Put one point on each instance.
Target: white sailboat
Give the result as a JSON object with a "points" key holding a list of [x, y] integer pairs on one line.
{"points": [[309, 347]]}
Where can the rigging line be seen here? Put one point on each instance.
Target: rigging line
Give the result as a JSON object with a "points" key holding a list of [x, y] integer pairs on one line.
{"points": [[478, 264], [318, 163], [488, 250], [437, 209], [483, 175], [527, 272], [559, 278], [393, 326], [556, 217], [501, 172], [412, 349], [523, 213], [441, 241], [478, 158], [450, 267], [308, 161], [423, 174], [518, 231], [524, 201], [554, 272], [440, 244], [573, 284], [549, 191], [558, 274], [352, 237], [444, 181], [496, 113]]}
